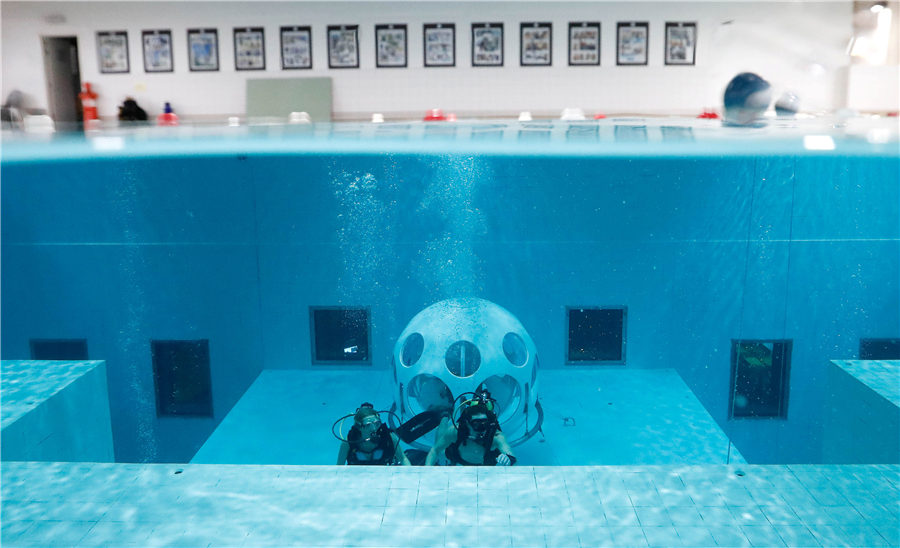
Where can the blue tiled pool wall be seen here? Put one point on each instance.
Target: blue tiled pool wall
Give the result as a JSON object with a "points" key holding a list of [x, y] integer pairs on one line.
{"points": [[236, 248]]}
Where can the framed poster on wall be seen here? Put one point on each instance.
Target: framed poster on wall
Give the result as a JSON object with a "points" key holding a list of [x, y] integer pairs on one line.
{"points": [[343, 46], [157, 50], [203, 49], [112, 52], [584, 43], [296, 48], [536, 40], [681, 42], [390, 46], [631, 43], [487, 44], [440, 44], [249, 49]]}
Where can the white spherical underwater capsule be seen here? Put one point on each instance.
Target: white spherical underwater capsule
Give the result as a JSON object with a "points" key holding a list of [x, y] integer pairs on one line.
{"points": [[465, 345]]}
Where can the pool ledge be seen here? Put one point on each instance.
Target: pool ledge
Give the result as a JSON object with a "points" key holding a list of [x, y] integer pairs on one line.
{"points": [[72, 504]]}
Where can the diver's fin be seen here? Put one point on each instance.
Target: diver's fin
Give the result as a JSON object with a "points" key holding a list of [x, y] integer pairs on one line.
{"points": [[418, 426]]}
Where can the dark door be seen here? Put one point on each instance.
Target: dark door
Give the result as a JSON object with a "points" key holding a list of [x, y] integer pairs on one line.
{"points": [[63, 77]]}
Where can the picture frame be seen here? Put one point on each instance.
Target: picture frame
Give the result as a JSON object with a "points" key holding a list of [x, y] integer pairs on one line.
{"points": [[203, 50], [584, 43], [343, 46], [157, 45], [112, 52], [390, 46], [681, 43], [249, 48], [536, 44], [296, 48], [439, 45], [631, 43], [487, 44]]}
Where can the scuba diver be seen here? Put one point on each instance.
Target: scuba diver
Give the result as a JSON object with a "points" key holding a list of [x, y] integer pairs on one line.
{"points": [[369, 440], [474, 439]]}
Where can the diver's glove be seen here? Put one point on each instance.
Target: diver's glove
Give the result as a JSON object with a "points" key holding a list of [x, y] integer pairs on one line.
{"points": [[505, 460]]}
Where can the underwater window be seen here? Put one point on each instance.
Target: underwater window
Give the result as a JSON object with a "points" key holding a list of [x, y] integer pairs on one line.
{"points": [[596, 335], [182, 378], [760, 374], [340, 335], [879, 349], [58, 349]]}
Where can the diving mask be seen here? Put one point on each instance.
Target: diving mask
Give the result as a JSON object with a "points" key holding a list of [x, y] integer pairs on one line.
{"points": [[480, 424]]}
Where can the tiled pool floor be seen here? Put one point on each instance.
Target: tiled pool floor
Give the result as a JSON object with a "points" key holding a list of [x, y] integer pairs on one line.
{"points": [[68, 504], [623, 417]]}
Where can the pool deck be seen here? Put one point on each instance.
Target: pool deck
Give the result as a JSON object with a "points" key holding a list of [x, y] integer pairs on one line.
{"points": [[81, 504]]}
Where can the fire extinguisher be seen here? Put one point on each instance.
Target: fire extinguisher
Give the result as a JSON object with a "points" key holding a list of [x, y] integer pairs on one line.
{"points": [[88, 104]]}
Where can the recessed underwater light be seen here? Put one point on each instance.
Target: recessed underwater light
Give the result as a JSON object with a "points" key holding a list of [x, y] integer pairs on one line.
{"points": [[108, 143], [878, 136], [818, 142]]}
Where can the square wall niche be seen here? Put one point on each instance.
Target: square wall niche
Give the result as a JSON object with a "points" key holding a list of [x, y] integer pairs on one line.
{"points": [[340, 335], [879, 349], [182, 378], [595, 335], [760, 375], [59, 349]]}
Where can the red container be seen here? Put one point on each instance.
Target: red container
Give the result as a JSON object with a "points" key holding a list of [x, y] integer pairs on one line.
{"points": [[434, 115]]}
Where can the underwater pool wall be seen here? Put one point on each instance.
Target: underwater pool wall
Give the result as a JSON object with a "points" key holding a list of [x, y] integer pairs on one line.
{"points": [[235, 247]]}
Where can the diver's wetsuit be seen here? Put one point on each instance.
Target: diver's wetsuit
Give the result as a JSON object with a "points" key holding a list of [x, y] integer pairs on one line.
{"points": [[484, 437], [453, 456], [485, 440], [382, 454]]}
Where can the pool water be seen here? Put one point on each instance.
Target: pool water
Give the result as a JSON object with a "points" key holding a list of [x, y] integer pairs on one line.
{"points": [[723, 249]]}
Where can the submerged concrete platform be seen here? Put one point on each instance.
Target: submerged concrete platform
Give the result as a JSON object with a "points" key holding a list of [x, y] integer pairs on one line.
{"points": [[78, 504], [55, 411], [617, 416], [862, 412]]}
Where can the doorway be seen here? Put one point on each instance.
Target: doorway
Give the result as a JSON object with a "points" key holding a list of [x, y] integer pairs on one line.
{"points": [[63, 77]]}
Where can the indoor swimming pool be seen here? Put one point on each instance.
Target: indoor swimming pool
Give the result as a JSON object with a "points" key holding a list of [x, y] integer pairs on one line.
{"points": [[690, 334]]}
